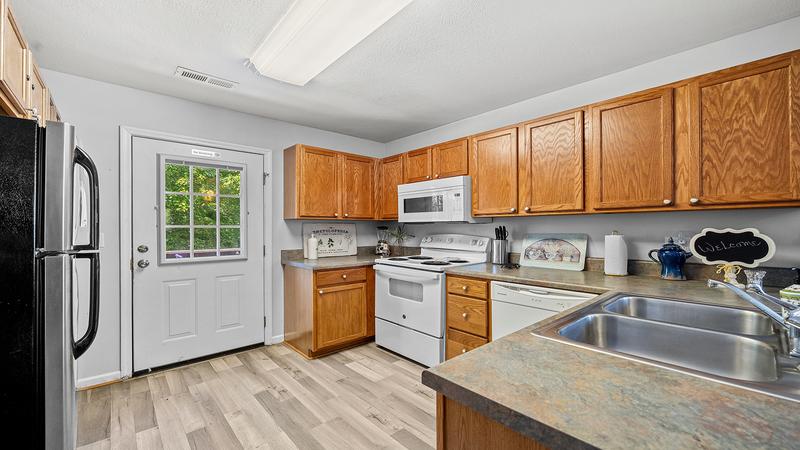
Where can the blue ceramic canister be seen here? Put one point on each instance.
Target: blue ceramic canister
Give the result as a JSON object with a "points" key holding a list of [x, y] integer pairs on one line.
{"points": [[672, 257]]}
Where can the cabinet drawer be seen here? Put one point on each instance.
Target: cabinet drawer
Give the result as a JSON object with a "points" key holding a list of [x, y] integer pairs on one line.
{"points": [[458, 342], [467, 314], [468, 287], [339, 276]]}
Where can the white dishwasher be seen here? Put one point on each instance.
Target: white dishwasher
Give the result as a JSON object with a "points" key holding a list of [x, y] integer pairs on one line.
{"points": [[515, 306]]}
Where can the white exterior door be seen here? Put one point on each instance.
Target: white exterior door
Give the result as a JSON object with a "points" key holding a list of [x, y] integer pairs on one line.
{"points": [[198, 239]]}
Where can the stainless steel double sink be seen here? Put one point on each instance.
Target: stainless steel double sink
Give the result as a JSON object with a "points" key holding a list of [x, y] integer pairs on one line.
{"points": [[729, 345]]}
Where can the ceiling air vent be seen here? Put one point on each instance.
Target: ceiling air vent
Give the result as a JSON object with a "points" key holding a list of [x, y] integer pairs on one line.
{"points": [[204, 78]]}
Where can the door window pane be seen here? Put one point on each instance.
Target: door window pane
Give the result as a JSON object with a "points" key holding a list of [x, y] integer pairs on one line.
{"points": [[201, 210]]}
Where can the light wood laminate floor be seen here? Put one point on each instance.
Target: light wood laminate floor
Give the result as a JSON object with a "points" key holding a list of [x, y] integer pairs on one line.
{"points": [[268, 397]]}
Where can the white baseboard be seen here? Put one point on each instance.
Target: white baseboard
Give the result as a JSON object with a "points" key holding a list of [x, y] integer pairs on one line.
{"points": [[276, 339], [98, 379]]}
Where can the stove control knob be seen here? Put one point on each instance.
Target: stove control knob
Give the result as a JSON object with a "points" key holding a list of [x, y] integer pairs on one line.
{"points": [[474, 242], [449, 240]]}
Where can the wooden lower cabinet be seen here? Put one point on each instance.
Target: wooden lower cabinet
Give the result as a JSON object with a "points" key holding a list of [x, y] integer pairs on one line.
{"points": [[461, 427], [468, 312], [328, 310]]}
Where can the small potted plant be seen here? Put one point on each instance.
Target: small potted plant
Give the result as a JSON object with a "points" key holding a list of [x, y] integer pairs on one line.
{"points": [[399, 235]]}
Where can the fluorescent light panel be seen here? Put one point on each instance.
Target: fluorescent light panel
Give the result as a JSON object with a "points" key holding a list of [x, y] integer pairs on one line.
{"points": [[315, 33]]}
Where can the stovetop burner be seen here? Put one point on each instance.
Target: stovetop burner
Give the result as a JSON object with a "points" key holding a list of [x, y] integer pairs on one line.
{"points": [[435, 263], [420, 257], [398, 258]]}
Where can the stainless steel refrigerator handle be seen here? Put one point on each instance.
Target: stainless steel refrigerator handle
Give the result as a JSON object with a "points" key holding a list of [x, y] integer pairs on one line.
{"points": [[80, 346], [83, 160]]}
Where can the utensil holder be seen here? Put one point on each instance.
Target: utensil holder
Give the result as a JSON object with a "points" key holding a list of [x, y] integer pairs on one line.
{"points": [[499, 252]]}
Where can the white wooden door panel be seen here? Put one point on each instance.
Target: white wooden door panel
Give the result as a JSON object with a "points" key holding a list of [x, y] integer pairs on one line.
{"points": [[198, 232]]}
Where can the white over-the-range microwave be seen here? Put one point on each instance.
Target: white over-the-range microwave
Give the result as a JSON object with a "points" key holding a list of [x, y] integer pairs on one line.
{"points": [[442, 200]]}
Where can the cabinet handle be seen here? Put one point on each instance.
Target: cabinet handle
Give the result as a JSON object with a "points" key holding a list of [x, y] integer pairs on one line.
{"points": [[667, 201], [694, 200], [527, 209], [344, 275], [321, 291], [464, 315], [463, 350], [513, 209]]}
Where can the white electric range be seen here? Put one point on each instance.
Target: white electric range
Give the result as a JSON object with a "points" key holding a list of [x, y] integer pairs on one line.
{"points": [[410, 294]]}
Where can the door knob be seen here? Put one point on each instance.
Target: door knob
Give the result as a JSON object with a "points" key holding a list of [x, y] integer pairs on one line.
{"points": [[142, 249], [143, 263]]}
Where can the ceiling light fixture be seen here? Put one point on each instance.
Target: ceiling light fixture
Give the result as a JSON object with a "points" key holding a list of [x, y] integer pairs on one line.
{"points": [[313, 34]]}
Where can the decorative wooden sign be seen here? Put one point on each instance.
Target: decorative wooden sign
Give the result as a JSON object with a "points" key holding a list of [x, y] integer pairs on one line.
{"points": [[338, 239], [746, 247]]}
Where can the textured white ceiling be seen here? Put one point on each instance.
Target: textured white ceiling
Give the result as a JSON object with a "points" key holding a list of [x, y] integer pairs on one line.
{"points": [[437, 61]]}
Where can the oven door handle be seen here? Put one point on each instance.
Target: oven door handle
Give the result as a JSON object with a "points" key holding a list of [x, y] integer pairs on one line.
{"points": [[404, 277]]}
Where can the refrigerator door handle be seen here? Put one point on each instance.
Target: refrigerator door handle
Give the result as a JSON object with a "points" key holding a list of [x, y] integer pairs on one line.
{"points": [[80, 346], [83, 160]]}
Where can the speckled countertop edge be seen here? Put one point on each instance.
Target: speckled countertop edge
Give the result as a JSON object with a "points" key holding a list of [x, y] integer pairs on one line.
{"points": [[731, 417]]}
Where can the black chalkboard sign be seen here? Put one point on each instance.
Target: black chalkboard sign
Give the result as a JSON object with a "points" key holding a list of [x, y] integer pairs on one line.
{"points": [[747, 247]]}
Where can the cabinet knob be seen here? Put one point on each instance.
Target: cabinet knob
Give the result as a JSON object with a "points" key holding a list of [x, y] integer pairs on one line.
{"points": [[667, 201], [694, 200], [321, 291], [464, 287], [464, 315], [344, 275], [436, 176], [527, 209], [346, 215], [427, 177], [335, 214], [463, 350], [513, 209]]}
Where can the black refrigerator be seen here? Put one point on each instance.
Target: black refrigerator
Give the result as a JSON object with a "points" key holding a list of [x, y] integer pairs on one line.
{"points": [[48, 194]]}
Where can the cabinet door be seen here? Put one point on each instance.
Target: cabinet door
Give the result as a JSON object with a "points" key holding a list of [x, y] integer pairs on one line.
{"points": [[39, 99], [13, 63], [53, 113], [318, 183], [450, 159], [493, 163], [632, 152], [551, 165], [358, 181], [418, 165], [340, 315], [391, 173], [746, 134]]}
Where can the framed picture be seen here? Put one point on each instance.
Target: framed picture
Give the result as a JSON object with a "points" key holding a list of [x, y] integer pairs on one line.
{"points": [[554, 251], [334, 239]]}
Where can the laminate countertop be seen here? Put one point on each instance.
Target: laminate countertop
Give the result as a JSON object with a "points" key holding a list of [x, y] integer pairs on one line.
{"points": [[570, 397], [334, 262]]}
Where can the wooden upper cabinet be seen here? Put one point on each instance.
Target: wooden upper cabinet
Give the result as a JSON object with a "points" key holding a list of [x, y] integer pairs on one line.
{"points": [[418, 165], [551, 164], [493, 165], [53, 113], [311, 183], [391, 175], [340, 315], [13, 64], [39, 98], [745, 128], [450, 159], [358, 187], [632, 152]]}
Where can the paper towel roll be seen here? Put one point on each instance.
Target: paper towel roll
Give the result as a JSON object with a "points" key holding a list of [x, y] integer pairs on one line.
{"points": [[616, 255]]}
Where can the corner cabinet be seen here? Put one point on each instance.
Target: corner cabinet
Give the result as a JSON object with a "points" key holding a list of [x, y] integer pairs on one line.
{"points": [[328, 310], [327, 184], [390, 175], [551, 164], [493, 165], [745, 134], [632, 152], [14, 74]]}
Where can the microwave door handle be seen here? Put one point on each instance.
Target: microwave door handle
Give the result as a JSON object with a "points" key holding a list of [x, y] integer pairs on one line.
{"points": [[80, 346], [83, 160]]}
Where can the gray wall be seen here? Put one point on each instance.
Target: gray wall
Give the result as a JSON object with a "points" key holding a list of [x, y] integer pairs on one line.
{"points": [[643, 230], [99, 109]]}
